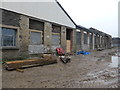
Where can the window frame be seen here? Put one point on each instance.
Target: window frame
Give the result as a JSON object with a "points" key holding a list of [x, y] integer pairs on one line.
{"points": [[59, 38], [78, 42], [17, 37], [32, 30], [85, 38]]}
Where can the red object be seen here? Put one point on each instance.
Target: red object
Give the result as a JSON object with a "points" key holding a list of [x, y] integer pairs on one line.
{"points": [[60, 51]]}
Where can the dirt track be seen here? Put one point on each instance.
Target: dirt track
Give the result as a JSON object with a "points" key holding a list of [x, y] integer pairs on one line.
{"points": [[84, 71]]}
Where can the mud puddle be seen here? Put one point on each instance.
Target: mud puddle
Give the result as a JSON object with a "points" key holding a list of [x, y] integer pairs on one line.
{"points": [[114, 62], [106, 77]]}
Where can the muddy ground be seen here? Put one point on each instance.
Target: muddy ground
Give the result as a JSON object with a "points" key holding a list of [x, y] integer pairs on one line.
{"points": [[84, 71]]}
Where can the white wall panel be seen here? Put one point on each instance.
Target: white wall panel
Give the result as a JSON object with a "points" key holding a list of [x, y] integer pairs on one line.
{"points": [[49, 11]]}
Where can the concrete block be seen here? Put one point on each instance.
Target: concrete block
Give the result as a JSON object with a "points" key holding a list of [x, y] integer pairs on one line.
{"points": [[63, 38], [47, 34]]}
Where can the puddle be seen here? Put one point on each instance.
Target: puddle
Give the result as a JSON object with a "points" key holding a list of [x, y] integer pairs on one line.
{"points": [[114, 61]]}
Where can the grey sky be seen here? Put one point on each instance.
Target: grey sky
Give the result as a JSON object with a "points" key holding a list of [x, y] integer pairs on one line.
{"points": [[100, 14]]}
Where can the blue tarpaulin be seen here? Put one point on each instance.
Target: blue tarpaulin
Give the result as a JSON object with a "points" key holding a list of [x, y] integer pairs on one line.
{"points": [[83, 52]]}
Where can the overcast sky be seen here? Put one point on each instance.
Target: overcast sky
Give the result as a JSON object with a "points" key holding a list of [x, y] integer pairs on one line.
{"points": [[100, 14]]}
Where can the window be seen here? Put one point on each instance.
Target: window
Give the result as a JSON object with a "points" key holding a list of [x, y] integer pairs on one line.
{"points": [[36, 38], [55, 39], [56, 29], [68, 34], [8, 37], [90, 39], [85, 38], [36, 25], [95, 39], [78, 38]]}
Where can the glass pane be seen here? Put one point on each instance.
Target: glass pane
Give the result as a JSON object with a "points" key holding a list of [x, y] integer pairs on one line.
{"points": [[95, 40], [35, 38], [55, 39], [0, 36], [8, 41], [90, 39], [78, 38], [8, 37], [85, 38]]}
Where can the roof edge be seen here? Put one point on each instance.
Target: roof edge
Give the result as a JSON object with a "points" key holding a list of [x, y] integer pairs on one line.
{"points": [[66, 12]]}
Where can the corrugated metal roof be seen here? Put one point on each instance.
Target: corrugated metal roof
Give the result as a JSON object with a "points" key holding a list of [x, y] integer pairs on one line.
{"points": [[95, 31], [83, 28], [92, 30]]}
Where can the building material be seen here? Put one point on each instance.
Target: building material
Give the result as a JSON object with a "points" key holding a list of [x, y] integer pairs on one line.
{"points": [[20, 70], [29, 63], [65, 59], [100, 49]]}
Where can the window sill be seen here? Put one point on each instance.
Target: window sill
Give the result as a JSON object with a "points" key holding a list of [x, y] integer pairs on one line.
{"points": [[9, 48]]}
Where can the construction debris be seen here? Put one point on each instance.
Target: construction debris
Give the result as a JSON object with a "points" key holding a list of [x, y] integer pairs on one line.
{"points": [[20, 70], [63, 57], [100, 49]]}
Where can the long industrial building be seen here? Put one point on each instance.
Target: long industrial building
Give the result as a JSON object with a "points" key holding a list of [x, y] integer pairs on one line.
{"points": [[41, 27]]}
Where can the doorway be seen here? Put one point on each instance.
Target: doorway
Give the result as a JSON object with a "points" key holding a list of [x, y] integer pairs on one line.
{"points": [[68, 40]]}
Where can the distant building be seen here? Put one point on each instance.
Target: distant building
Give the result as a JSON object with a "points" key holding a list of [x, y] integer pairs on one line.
{"points": [[116, 42]]}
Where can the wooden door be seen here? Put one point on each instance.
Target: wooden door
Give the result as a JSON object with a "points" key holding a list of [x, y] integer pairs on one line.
{"points": [[68, 46]]}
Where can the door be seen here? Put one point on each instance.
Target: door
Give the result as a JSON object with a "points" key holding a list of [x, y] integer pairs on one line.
{"points": [[68, 45], [68, 40]]}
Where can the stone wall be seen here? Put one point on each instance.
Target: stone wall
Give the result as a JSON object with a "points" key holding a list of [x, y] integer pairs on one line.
{"points": [[36, 49], [10, 18], [25, 36], [24, 24], [47, 35], [22, 38], [63, 38], [73, 40]]}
